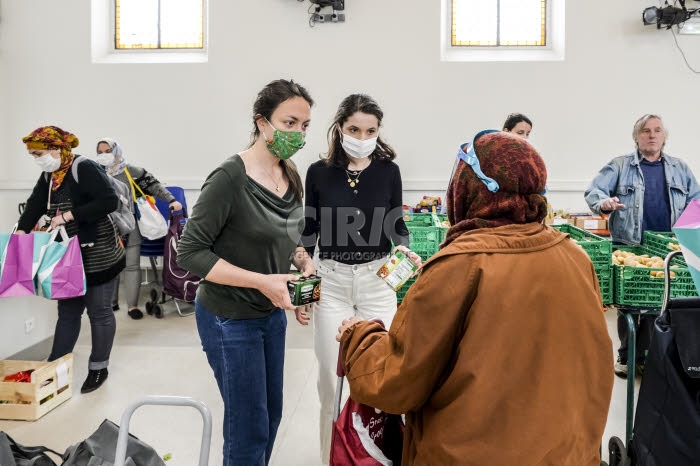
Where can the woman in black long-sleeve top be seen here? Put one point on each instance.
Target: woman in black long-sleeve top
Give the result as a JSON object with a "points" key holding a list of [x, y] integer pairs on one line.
{"points": [[82, 206], [353, 213]]}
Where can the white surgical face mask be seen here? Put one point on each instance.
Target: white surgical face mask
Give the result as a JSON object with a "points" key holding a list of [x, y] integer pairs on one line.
{"points": [[105, 159], [357, 148], [48, 163]]}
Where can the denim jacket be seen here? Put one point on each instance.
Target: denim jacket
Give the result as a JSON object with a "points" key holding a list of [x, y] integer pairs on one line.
{"points": [[622, 177]]}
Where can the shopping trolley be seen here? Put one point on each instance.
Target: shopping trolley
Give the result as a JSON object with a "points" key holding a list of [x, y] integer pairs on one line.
{"points": [[120, 455], [154, 249], [664, 429]]}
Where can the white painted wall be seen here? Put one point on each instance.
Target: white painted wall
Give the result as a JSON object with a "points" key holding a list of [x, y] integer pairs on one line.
{"points": [[181, 120]]}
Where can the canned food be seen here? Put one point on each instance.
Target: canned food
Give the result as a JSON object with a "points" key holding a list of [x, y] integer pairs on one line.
{"points": [[397, 270], [304, 290]]}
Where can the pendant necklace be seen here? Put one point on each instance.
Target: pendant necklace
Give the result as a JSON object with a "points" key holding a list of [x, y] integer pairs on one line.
{"points": [[277, 186], [353, 181], [354, 176]]}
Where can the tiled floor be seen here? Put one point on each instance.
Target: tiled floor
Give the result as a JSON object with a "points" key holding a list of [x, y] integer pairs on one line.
{"points": [[164, 356]]}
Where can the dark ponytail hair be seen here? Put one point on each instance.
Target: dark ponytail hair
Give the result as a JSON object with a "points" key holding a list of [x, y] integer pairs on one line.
{"points": [[515, 118], [336, 156], [267, 101]]}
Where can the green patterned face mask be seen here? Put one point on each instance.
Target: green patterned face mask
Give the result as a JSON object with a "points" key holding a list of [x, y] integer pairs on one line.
{"points": [[285, 143]]}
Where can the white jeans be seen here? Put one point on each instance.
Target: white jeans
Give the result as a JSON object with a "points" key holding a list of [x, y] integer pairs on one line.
{"points": [[346, 291]]}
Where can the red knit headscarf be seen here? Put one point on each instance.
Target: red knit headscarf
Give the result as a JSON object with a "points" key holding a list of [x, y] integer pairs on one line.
{"points": [[521, 175], [53, 137]]}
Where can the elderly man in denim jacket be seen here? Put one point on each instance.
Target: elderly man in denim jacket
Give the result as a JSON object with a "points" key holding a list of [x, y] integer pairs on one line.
{"points": [[644, 190]]}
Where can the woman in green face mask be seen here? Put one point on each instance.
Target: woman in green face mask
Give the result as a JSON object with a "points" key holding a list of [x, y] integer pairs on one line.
{"points": [[238, 240]]}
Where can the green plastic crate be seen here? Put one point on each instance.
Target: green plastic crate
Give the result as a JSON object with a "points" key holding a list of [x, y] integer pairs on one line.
{"points": [[424, 241], [418, 220], [437, 221], [657, 242], [401, 293], [634, 286], [606, 291], [605, 280], [598, 249]]}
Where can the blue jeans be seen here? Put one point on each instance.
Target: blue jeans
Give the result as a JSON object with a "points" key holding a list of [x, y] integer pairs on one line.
{"points": [[103, 326], [247, 357]]}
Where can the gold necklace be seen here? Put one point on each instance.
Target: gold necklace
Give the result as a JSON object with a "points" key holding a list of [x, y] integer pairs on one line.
{"points": [[356, 174], [353, 181], [277, 185]]}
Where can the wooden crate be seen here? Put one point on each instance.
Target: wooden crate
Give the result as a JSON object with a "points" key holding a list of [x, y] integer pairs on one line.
{"points": [[28, 401]]}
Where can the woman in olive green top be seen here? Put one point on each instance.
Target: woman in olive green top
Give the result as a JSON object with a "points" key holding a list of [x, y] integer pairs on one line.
{"points": [[242, 237]]}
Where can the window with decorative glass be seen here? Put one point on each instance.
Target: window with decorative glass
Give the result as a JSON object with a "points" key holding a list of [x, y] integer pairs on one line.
{"points": [[499, 23], [159, 24]]}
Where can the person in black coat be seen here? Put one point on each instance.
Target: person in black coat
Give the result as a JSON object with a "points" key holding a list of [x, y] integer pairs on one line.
{"points": [[82, 207]]}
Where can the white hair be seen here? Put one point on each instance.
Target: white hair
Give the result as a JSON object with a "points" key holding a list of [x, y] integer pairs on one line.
{"points": [[639, 126]]}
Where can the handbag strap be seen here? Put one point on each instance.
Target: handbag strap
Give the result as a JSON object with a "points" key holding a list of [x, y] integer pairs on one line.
{"points": [[133, 185], [29, 452], [48, 200]]}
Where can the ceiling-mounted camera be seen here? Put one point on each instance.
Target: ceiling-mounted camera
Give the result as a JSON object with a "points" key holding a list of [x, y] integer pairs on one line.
{"points": [[667, 16], [335, 4]]}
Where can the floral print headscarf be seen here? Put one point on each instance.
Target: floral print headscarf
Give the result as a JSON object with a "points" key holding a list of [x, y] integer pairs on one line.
{"points": [[53, 137]]}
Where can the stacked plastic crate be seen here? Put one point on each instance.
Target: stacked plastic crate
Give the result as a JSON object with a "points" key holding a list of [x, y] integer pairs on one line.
{"points": [[426, 232], [661, 243], [600, 251], [643, 287]]}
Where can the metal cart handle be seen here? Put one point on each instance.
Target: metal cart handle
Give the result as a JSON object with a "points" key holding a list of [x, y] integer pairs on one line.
{"points": [[120, 456], [667, 279]]}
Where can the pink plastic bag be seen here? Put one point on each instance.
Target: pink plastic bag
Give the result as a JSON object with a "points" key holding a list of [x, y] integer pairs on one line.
{"points": [[16, 274], [61, 274]]}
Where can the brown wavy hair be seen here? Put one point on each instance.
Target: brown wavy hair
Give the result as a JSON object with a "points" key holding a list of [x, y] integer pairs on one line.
{"points": [[336, 156]]}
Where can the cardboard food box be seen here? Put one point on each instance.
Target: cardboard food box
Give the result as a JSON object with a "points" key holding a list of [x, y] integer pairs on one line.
{"points": [[304, 290], [397, 270], [559, 221], [50, 385], [591, 223]]}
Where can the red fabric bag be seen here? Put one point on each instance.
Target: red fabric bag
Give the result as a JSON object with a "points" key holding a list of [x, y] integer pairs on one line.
{"points": [[362, 435], [365, 436]]}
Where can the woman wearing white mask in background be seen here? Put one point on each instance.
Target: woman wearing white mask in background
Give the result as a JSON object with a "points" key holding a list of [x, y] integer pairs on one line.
{"points": [[110, 156], [353, 214]]}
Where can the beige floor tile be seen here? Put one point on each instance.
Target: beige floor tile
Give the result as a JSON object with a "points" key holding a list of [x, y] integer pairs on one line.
{"points": [[164, 357]]}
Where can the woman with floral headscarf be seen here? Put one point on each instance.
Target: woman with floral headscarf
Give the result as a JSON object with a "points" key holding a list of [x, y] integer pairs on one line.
{"points": [[82, 206], [110, 156], [499, 353]]}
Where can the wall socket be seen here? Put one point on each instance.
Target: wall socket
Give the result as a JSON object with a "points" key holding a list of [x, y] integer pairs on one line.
{"points": [[29, 325], [329, 18]]}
